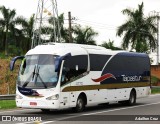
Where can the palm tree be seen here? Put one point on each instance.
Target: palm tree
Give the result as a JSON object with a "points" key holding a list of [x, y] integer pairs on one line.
{"points": [[1, 38], [8, 22], [84, 35], [27, 31], [64, 32], [139, 31], [110, 45], [53, 28]]}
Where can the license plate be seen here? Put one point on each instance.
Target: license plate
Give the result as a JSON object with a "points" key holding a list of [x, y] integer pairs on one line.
{"points": [[33, 103]]}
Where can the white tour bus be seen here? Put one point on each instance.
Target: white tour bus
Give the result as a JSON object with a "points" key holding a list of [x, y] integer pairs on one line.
{"points": [[61, 75]]}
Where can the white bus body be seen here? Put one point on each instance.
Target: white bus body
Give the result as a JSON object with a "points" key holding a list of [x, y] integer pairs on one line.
{"points": [[61, 75]]}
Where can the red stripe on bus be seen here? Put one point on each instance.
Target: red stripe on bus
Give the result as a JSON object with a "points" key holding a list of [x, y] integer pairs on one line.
{"points": [[104, 77]]}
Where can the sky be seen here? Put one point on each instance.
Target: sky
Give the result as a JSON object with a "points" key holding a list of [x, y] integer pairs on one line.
{"points": [[104, 16]]}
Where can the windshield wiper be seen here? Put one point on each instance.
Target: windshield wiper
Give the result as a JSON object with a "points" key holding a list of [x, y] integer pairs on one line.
{"points": [[35, 72], [38, 75], [42, 81], [27, 82]]}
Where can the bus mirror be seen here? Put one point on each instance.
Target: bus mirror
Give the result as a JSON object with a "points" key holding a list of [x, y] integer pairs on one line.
{"points": [[66, 56], [13, 61], [58, 61]]}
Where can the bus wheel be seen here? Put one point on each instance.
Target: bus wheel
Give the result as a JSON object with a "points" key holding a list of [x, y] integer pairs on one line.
{"points": [[132, 98], [80, 104], [45, 110]]}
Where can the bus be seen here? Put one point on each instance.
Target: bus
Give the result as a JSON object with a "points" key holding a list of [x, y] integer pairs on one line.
{"points": [[66, 75]]}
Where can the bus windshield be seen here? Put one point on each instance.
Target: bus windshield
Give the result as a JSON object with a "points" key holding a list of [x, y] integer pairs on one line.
{"points": [[38, 71]]}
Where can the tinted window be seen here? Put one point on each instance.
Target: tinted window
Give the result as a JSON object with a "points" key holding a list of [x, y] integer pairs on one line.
{"points": [[74, 67], [97, 62], [127, 65]]}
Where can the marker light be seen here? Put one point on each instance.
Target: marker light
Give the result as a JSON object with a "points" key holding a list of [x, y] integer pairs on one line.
{"points": [[18, 96], [54, 97]]}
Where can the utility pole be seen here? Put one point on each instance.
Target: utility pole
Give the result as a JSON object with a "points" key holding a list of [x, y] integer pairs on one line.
{"points": [[156, 14], [157, 38], [69, 28]]}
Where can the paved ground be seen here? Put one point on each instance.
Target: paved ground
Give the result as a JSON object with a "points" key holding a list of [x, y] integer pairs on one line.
{"points": [[147, 110]]}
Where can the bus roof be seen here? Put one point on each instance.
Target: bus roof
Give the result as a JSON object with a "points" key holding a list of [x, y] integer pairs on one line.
{"points": [[76, 49]]}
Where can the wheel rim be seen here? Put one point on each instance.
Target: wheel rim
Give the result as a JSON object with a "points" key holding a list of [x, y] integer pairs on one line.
{"points": [[80, 104], [132, 99]]}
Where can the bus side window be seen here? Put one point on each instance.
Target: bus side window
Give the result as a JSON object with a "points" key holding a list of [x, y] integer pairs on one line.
{"points": [[74, 67]]}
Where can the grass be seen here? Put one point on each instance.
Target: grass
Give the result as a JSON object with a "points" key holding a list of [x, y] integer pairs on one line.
{"points": [[7, 104], [155, 90], [2, 55]]}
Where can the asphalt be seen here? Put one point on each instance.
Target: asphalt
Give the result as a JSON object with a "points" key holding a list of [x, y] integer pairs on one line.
{"points": [[146, 111]]}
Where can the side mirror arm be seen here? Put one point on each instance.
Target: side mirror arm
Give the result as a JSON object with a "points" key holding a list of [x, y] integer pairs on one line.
{"points": [[14, 60]]}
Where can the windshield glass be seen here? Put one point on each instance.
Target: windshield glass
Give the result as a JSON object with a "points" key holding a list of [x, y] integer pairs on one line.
{"points": [[38, 71]]}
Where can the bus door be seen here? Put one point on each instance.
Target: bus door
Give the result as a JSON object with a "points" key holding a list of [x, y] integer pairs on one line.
{"points": [[74, 70], [60, 67], [64, 96]]}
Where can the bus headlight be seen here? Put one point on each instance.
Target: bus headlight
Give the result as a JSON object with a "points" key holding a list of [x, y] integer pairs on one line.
{"points": [[18, 96], [54, 97]]}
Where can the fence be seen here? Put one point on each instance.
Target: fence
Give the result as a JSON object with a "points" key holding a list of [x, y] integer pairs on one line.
{"points": [[7, 97]]}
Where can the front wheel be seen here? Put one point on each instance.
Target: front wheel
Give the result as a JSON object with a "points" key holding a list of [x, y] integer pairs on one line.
{"points": [[80, 104], [45, 110]]}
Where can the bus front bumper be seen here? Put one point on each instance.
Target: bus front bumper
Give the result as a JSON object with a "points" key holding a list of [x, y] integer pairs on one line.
{"points": [[39, 104]]}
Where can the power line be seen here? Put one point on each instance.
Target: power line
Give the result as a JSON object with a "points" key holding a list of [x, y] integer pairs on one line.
{"points": [[100, 27], [76, 20], [96, 25]]}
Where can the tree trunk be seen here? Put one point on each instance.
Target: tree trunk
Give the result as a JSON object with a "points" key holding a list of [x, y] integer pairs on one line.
{"points": [[6, 42]]}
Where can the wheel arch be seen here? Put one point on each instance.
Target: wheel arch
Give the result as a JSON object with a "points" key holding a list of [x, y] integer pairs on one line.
{"points": [[134, 90], [84, 96]]}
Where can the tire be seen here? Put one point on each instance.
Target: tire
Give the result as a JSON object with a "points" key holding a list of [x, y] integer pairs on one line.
{"points": [[104, 104], [131, 101], [45, 110], [132, 98], [80, 105]]}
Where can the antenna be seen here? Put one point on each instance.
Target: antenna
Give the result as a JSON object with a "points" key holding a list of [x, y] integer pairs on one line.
{"points": [[46, 23]]}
